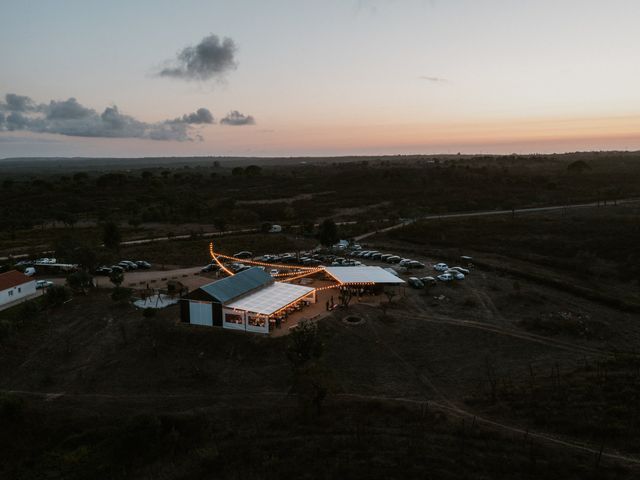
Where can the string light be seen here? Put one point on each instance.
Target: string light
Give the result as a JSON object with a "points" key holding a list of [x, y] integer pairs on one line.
{"points": [[299, 272]]}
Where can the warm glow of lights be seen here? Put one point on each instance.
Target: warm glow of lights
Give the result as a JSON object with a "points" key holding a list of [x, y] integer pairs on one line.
{"points": [[306, 271]]}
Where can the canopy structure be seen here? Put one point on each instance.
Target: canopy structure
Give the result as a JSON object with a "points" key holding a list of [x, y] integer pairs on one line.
{"points": [[270, 299], [371, 275]]}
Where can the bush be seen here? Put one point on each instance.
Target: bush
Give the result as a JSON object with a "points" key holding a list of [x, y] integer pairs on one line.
{"points": [[5, 329], [11, 407], [149, 312], [56, 295], [121, 294]]}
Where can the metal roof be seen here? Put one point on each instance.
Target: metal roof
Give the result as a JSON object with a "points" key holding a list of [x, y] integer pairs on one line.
{"points": [[270, 299], [363, 275], [237, 285]]}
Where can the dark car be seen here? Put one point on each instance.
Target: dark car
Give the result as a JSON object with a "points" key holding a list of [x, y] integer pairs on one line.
{"points": [[243, 254], [212, 267], [143, 264], [415, 282], [103, 271]]}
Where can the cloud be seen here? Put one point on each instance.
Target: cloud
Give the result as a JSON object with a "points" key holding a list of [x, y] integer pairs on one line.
{"points": [[202, 115], [69, 117], [235, 118], [434, 79], [209, 59], [67, 109], [17, 103]]}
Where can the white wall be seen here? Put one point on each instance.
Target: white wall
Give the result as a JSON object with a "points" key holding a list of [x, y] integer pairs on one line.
{"points": [[19, 292], [200, 313]]}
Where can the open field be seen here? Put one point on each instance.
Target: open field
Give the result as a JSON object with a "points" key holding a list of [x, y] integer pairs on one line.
{"points": [[526, 369], [177, 393]]}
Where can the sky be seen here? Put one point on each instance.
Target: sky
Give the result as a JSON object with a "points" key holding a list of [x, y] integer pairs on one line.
{"points": [[317, 77]]}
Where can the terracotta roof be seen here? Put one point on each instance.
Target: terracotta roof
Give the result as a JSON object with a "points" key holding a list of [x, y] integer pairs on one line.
{"points": [[13, 278]]}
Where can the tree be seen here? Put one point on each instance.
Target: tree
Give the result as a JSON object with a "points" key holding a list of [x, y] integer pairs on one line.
{"points": [[111, 236], [56, 295], [116, 277], [311, 380], [579, 166], [121, 294], [304, 344], [253, 171], [237, 171], [328, 233], [346, 294], [80, 281]]}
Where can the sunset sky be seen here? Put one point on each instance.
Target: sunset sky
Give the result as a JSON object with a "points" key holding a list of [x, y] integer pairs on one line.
{"points": [[326, 77]]}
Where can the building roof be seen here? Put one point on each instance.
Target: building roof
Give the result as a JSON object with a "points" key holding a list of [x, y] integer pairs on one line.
{"points": [[269, 300], [13, 278], [237, 285], [363, 275]]}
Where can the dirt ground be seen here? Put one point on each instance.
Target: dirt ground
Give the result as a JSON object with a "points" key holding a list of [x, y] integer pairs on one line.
{"points": [[446, 347]]}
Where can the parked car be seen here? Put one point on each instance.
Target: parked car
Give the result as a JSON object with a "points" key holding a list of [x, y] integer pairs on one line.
{"points": [[275, 229], [376, 256], [440, 267], [243, 254], [405, 262], [415, 264], [415, 282], [103, 271], [129, 265], [30, 271], [212, 267], [394, 259], [445, 277], [428, 280], [40, 284], [143, 264], [461, 270], [116, 268], [273, 272], [456, 274]]}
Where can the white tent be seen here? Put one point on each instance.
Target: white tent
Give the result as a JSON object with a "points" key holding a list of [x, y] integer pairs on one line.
{"points": [[376, 275]]}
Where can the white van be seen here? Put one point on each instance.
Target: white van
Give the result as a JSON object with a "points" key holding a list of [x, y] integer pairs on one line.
{"points": [[275, 229], [29, 271]]}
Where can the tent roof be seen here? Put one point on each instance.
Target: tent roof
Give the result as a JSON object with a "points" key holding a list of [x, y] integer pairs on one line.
{"points": [[363, 275], [269, 300], [232, 287]]}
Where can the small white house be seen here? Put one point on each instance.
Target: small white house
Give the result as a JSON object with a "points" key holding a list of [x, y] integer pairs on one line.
{"points": [[14, 286]]}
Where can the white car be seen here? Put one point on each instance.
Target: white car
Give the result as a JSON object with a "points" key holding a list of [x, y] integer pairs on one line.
{"points": [[445, 277], [273, 272], [405, 262], [440, 267], [456, 274], [461, 270], [40, 284]]}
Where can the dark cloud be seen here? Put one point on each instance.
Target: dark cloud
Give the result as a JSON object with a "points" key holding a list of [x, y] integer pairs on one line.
{"points": [[236, 118], [69, 117], [202, 115], [434, 79], [209, 59], [67, 109], [17, 103]]}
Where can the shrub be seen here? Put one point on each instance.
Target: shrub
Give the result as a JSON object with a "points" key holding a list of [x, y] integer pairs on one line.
{"points": [[56, 295], [149, 312], [121, 294]]}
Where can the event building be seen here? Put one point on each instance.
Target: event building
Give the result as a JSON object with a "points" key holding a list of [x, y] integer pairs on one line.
{"points": [[254, 301], [248, 300]]}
